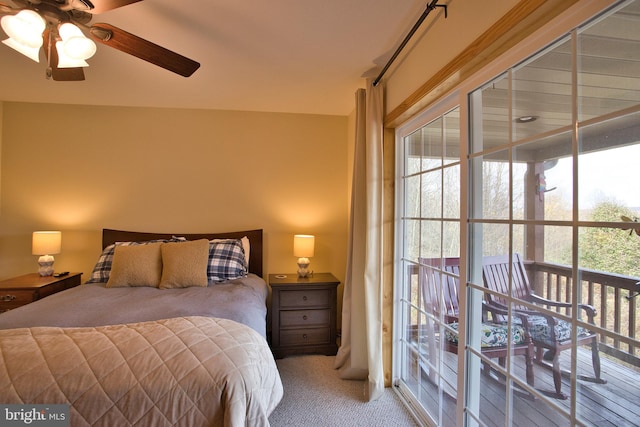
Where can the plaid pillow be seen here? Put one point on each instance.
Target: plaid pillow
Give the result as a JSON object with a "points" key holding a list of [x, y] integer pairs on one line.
{"points": [[102, 269], [226, 260]]}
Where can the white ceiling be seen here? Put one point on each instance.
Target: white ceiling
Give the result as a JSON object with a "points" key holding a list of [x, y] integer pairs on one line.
{"points": [[272, 55]]}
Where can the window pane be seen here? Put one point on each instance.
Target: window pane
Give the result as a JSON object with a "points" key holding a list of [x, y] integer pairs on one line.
{"points": [[412, 196], [411, 250], [520, 240], [609, 250], [543, 179], [432, 144], [495, 239], [452, 136], [490, 115], [413, 149], [451, 197], [609, 64], [431, 238], [542, 92], [451, 239], [608, 169], [558, 244], [495, 185], [431, 188]]}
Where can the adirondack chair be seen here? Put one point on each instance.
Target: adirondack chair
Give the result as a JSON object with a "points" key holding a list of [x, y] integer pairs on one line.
{"points": [[440, 296], [547, 332]]}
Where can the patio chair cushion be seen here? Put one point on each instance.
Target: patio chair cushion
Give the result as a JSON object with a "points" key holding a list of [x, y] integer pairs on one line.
{"points": [[493, 334], [541, 332]]}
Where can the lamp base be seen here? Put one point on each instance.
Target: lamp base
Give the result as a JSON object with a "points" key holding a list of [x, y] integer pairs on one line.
{"points": [[303, 267], [46, 265]]}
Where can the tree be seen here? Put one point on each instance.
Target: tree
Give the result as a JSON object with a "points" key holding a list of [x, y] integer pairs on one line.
{"points": [[610, 249]]}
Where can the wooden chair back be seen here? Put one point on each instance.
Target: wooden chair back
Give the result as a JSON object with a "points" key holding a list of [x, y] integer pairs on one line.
{"points": [[495, 274], [440, 291]]}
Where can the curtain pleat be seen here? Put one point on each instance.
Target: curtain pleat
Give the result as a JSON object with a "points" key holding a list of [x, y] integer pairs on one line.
{"points": [[360, 353]]}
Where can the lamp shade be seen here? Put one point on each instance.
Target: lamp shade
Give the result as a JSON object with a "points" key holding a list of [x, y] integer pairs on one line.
{"points": [[303, 245], [74, 47], [25, 32], [46, 242]]}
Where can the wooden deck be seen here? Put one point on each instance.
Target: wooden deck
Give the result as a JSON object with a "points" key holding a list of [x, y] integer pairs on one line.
{"points": [[616, 403]]}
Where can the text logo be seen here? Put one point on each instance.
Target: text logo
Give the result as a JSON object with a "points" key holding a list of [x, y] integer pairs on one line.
{"points": [[34, 415]]}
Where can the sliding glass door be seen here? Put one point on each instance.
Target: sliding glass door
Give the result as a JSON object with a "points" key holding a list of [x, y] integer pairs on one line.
{"points": [[429, 198], [521, 188]]}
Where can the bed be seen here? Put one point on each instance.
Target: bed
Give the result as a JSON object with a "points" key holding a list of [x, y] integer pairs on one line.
{"points": [[144, 341]]}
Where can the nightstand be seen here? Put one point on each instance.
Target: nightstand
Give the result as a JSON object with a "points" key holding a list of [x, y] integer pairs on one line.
{"points": [[22, 290], [303, 314]]}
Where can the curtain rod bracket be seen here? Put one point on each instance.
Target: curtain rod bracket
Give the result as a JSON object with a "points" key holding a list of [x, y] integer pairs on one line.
{"points": [[444, 6], [432, 5]]}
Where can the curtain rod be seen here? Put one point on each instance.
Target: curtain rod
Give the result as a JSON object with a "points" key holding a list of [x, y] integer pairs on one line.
{"points": [[426, 12]]}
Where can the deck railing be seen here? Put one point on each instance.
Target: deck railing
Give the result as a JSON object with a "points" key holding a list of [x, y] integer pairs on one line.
{"points": [[618, 311], [610, 294]]}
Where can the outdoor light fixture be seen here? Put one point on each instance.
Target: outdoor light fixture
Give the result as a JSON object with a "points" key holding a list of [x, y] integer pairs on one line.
{"points": [[526, 119], [303, 248]]}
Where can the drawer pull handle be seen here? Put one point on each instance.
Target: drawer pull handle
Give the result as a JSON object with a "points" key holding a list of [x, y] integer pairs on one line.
{"points": [[7, 298], [304, 317], [304, 336], [304, 298]]}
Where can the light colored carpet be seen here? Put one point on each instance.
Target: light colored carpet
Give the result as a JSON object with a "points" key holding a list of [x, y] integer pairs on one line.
{"points": [[314, 395]]}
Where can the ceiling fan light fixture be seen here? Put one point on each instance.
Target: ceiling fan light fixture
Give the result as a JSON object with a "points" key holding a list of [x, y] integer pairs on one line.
{"points": [[66, 61], [25, 32], [74, 47], [30, 52]]}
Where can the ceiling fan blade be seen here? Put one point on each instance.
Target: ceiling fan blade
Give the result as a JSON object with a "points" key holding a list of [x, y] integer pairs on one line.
{"points": [[5, 8], [100, 6], [59, 74], [143, 49]]}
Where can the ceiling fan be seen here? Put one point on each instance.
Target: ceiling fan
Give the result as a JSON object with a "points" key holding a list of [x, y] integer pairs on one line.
{"points": [[58, 25]]}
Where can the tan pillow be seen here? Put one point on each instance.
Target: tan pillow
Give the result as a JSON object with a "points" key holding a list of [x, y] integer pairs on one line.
{"points": [[136, 265], [184, 264]]}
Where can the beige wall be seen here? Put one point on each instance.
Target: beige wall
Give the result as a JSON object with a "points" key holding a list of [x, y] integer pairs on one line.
{"points": [[83, 168], [437, 42]]}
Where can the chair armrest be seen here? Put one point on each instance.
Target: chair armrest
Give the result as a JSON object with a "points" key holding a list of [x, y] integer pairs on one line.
{"points": [[590, 311], [544, 301]]}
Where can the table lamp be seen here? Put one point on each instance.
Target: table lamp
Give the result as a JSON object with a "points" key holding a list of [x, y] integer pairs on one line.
{"points": [[46, 244], [303, 245]]}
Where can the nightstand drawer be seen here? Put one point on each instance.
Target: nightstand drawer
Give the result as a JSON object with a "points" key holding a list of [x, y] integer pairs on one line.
{"points": [[289, 318], [305, 336], [305, 298], [14, 298]]}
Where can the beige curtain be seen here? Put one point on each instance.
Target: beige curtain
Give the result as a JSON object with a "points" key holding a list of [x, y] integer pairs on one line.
{"points": [[360, 353]]}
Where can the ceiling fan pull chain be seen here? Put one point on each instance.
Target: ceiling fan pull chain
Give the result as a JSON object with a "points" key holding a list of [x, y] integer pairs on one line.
{"points": [[49, 71]]}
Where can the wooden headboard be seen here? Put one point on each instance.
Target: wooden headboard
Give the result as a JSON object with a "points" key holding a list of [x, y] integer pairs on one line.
{"points": [[110, 236]]}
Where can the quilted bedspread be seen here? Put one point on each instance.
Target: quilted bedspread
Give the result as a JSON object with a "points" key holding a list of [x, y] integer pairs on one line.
{"points": [[186, 371]]}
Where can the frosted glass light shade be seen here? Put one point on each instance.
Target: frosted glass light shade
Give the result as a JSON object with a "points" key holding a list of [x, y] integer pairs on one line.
{"points": [[74, 48], [25, 32], [66, 61]]}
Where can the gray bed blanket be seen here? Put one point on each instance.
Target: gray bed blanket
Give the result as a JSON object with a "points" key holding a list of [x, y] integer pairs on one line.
{"points": [[241, 300]]}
